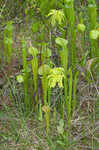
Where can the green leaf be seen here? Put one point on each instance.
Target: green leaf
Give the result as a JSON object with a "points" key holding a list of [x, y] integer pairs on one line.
{"points": [[20, 78], [33, 51], [44, 69], [56, 16], [35, 27], [8, 41], [60, 143], [62, 42], [68, 1], [81, 27], [48, 52], [27, 69], [55, 76], [94, 34]]}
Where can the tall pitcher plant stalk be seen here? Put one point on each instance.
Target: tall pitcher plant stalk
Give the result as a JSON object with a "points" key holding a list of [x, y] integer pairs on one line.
{"points": [[64, 61], [70, 15], [25, 67], [81, 29], [43, 72], [34, 62], [45, 69], [69, 98], [8, 40], [92, 9], [75, 90]]}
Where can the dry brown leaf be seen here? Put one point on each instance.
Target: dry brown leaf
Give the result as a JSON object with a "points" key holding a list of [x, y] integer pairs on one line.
{"points": [[88, 65]]}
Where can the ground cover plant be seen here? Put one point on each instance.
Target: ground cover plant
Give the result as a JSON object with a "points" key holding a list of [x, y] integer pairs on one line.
{"points": [[49, 75]]}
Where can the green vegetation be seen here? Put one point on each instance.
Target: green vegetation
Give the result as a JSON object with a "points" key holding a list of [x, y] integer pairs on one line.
{"points": [[8, 40], [49, 75]]}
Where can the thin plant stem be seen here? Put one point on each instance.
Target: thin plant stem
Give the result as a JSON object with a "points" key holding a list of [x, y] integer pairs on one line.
{"points": [[24, 60], [34, 63], [75, 90], [69, 98]]}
